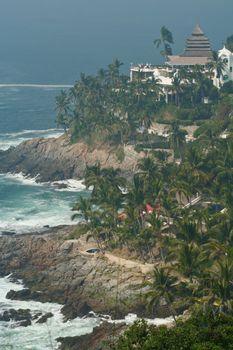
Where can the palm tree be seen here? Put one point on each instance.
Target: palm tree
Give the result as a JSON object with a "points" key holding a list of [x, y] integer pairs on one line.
{"points": [[114, 71], [93, 177], [177, 138], [147, 167], [217, 66], [187, 230], [83, 208], [166, 39], [177, 88], [135, 196], [200, 83], [224, 168], [64, 117], [195, 161], [222, 280], [190, 260], [163, 285]]}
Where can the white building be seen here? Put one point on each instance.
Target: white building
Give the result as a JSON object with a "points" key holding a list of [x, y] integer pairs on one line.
{"points": [[197, 52], [227, 57]]}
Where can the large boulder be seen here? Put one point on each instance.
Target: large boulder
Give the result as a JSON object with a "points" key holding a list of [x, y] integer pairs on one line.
{"points": [[58, 159]]}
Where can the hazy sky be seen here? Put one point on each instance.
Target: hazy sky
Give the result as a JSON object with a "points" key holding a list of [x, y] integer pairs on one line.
{"points": [[54, 40]]}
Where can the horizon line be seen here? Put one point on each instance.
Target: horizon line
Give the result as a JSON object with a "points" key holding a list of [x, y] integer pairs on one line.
{"points": [[54, 86]]}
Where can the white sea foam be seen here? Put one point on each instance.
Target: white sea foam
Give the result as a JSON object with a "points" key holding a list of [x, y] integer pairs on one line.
{"points": [[131, 318], [22, 179], [72, 185], [36, 216], [24, 132], [30, 206], [13, 139], [43, 336], [38, 336]]}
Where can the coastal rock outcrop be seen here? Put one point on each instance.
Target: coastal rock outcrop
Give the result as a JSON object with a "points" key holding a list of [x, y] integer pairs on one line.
{"points": [[23, 317], [24, 294], [63, 273], [106, 333], [57, 159]]}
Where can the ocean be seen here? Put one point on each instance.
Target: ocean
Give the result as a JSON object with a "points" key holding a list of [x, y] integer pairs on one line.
{"points": [[37, 336], [52, 42], [26, 206]]}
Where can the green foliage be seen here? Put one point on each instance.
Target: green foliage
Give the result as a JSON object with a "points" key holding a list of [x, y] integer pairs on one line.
{"points": [[151, 146], [166, 39], [199, 333], [229, 43], [154, 215], [107, 108], [227, 88], [212, 127], [120, 154]]}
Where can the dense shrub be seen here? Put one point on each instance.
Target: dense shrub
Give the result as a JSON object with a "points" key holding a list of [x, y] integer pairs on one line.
{"points": [[227, 87], [199, 333]]}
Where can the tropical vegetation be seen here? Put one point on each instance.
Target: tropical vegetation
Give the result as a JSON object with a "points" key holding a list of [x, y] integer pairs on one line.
{"points": [[199, 333], [176, 210], [110, 108]]}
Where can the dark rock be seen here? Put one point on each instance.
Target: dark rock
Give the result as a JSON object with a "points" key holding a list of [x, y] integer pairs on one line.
{"points": [[8, 233], [78, 309], [25, 323], [55, 266], [5, 317], [23, 294], [60, 186], [23, 317], [104, 334], [59, 159], [36, 316], [45, 317]]}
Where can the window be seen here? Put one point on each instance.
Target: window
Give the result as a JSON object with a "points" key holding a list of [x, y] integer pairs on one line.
{"points": [[231, 69]]}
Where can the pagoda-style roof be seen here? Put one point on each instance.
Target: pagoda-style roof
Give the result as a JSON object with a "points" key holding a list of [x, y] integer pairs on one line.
{"points": [[187, 61], [197, 50], [197, 30], [198, 45]]}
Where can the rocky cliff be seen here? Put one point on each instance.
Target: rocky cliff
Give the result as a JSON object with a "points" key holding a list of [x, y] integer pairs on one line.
{"points": [[58, 268], [58, 159]]}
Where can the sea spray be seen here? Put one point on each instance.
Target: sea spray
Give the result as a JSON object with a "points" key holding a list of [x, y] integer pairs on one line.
{"points": [[37, 336], [43, 336], [13, 139], [28, 206]]}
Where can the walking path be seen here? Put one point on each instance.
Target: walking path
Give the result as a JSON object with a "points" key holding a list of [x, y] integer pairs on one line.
{"points": [[129, 264]]}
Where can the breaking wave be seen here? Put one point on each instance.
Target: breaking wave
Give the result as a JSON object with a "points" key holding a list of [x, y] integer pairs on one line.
{"points": [[27, 206], [13, 139]]}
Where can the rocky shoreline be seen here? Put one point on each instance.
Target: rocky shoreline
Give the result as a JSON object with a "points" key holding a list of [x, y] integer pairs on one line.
{"points": [[55, 266], [58, 268], [57, 159], [105, 334]]}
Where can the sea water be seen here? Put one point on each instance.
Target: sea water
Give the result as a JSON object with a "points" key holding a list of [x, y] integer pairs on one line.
{"points": [[25, 205], [43, 336], [37, 336], [28, 206]]}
